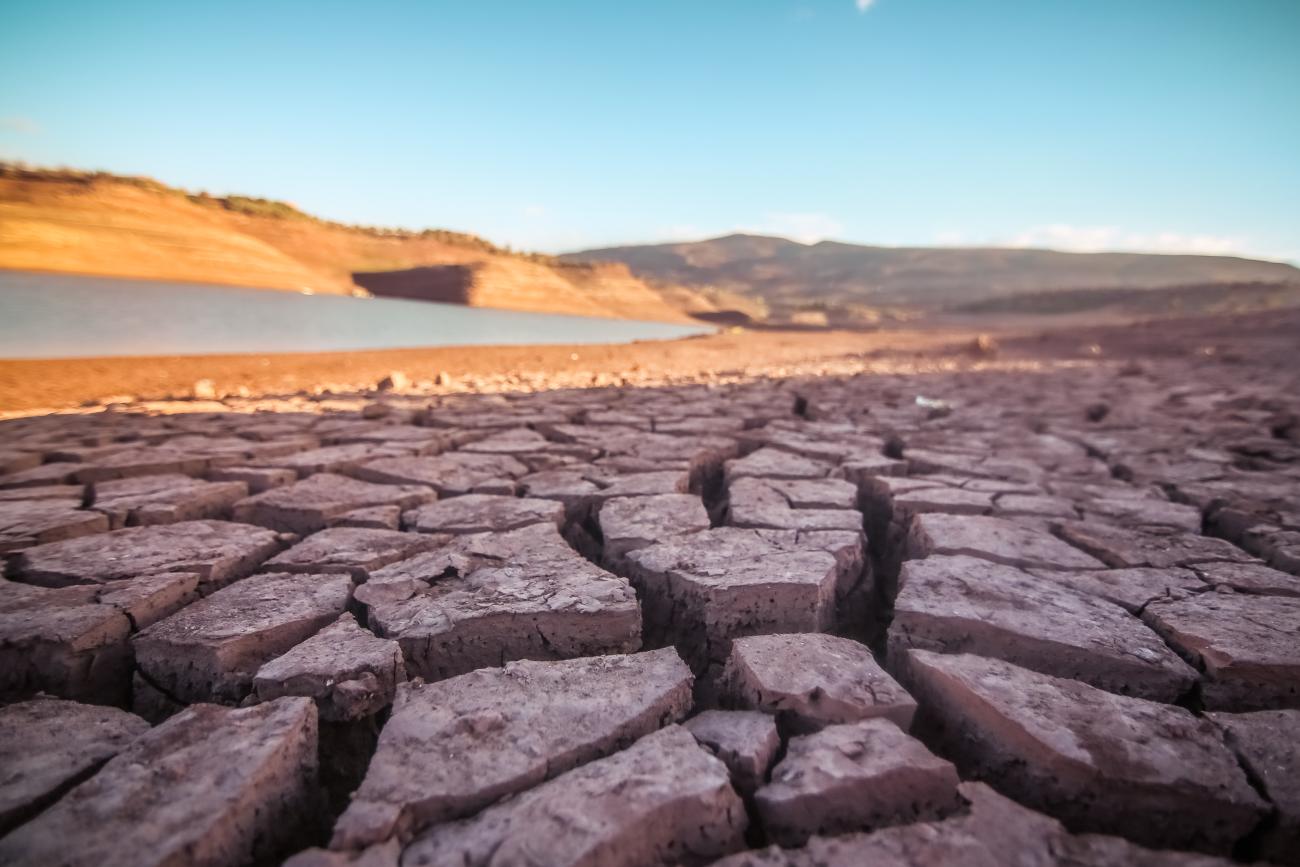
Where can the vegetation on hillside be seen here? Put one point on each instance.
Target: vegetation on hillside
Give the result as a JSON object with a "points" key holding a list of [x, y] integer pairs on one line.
{"points": [[253, 206]]}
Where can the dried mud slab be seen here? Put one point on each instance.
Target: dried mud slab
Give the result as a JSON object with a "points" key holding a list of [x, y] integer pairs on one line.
{"points": [[1100, 762], [48, 745], [211, 650], [164, 499], [454, 746], [347, 671], [73, 642], [317, 501], [662, 801], [630, 523], [854, 777], [810, 681], [354, 551], [1268, 744], [482, 513], [487, 598], [211, 786], [746, 741], [994, 539], [703, 590], [1129, 549], [965, 605], [218, 551], [1247, 647], [451, 475], [27, 523], [996, 832]]}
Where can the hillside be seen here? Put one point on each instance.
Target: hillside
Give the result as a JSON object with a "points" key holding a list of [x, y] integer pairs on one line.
{"points": [[849, 281], [93, 223]]}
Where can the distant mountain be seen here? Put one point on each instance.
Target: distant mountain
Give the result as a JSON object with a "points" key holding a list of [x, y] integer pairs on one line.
{"points": [[108, 225], [848, 281]]}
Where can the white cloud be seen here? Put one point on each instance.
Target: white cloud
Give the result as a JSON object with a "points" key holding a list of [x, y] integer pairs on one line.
{"points": [[24, 125], [1092, 239], [806, 228], [534, 211], [864, 5]]}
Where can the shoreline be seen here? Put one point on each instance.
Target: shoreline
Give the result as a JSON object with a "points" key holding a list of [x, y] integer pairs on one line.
{"points": [[175, 383], [28, 386]]}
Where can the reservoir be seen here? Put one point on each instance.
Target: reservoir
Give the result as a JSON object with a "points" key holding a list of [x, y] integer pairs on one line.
{"points": [[65, 316]]}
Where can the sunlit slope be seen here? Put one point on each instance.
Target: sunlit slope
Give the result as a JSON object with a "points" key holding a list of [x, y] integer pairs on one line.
{"points": [[129, 227]]}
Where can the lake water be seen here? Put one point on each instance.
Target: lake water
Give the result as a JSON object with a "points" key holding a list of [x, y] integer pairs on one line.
{"points": [[60, 316]]}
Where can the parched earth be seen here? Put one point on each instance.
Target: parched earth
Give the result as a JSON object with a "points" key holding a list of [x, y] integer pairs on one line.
{"points": [[986, 616]]}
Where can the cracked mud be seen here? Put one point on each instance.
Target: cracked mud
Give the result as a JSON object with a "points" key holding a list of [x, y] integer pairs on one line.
{"points": [[811, 621]]}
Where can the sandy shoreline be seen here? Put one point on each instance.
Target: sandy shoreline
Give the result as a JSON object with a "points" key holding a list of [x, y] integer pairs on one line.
{"points": [[45, 385], [52, 384]]}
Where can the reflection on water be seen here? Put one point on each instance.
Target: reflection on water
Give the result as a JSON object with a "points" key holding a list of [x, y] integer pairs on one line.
{"points": [[59, 316]]}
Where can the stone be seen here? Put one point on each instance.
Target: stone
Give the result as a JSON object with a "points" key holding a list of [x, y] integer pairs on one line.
{"points": [[1247, 647], [210, 650], [629, 523], [1131, 588], [72, 641], [994, 539], [213, 785], [965, 605], [451, 748], [48, 745], [1129, 549], [746, 741], [487, 598], [27, 523], [451, 474], [853, 777], [810, 681], [219, 552], [1268, 743], [1100, 762], [482, 513], [355, 552], [163, 499], [347, 671], [663, 801], [312, 503], [995, 832]]}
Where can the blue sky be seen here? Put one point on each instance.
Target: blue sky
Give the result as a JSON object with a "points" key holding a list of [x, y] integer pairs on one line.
{"points": [[1167, 125]]}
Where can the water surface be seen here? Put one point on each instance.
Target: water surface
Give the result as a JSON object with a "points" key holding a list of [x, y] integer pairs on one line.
{"points": [[63, 316]]}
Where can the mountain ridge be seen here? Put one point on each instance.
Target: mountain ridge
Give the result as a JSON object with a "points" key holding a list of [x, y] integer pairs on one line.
{"points": [[844, 279]]}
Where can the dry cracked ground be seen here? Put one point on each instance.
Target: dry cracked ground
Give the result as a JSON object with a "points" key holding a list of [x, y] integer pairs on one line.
{"points": [[979, 617]]}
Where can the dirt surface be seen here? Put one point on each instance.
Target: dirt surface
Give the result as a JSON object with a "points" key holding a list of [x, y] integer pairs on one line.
{"points": [[46, 385], [922, 602]]}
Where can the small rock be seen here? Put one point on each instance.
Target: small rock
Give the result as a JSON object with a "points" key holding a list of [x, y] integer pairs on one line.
{"points": [[395, 381], [204, 389]]}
